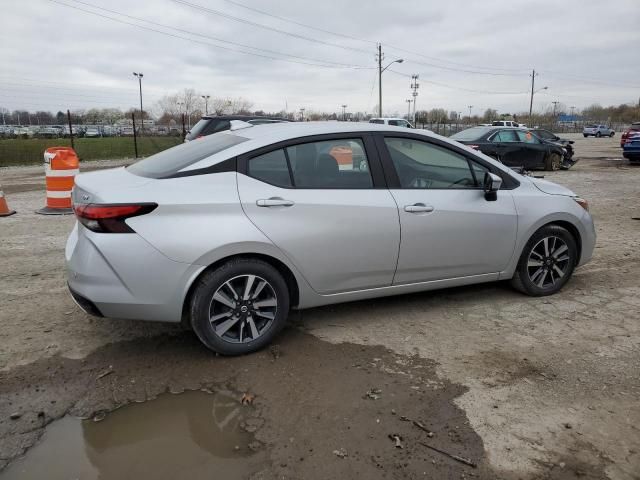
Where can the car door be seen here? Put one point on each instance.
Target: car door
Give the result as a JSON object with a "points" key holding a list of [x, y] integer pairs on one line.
{"points": [[336, 221], [532, 150], [505, 146], [448, 228]]}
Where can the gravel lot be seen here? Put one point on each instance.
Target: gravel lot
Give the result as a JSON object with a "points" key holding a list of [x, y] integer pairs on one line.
{"points": [[529, 388]]}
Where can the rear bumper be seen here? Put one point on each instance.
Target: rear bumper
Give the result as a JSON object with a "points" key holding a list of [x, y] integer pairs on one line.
{"points": [[123, 276]]}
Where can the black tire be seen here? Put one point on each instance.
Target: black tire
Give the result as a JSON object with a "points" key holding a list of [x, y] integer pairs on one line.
{"points": [[522, 278], [598, 134], [553, 162], [612, 134], [585, 135], [203, 306]]}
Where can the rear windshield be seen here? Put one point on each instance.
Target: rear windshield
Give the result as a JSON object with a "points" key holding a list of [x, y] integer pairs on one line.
{"points": [[208, 126], [471, 134], [171, 161], [376, 121]]}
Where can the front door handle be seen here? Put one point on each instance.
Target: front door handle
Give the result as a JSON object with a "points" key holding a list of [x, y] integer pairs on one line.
{"points": [[274, 202], [418, 208]]}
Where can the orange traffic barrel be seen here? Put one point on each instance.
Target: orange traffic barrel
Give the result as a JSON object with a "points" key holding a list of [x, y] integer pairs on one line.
{"points": [[61, 165], [4, 208]]}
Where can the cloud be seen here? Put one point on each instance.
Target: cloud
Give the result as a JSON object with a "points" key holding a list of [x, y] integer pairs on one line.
{"points": [[55, 57]]}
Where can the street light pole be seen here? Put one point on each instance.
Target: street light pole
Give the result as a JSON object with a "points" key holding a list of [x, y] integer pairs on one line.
{"points": [[302, 114], [206, 103], [140, 75], [470, 107], [380, 70], [409, 101], [344, 117]]}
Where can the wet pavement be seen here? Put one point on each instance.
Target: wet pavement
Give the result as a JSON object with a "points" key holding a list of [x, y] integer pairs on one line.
{"points": [[193, 435]]}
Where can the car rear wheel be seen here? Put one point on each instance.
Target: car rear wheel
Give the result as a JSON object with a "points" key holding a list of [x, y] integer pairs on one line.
{"points": [[553, 162], [598, 134], [612, 134], [585, 135], [239, 307], [547, 262]]}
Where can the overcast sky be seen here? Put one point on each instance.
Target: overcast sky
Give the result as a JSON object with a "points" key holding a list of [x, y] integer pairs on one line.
{"points": [[55, 57]]}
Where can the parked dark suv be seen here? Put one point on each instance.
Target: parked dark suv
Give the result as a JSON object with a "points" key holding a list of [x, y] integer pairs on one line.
{"points": [[213, 124]]}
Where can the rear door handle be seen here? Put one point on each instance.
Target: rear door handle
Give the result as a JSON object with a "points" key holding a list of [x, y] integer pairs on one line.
{"points": [[274, 202], [418, 208]]}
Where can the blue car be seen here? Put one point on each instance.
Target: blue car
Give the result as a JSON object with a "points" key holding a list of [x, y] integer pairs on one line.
{"points": [[631, 147]]}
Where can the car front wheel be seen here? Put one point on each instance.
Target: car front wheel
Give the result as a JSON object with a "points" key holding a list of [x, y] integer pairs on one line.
{"points": [[547, 262], [239, 307], [553, 162]]}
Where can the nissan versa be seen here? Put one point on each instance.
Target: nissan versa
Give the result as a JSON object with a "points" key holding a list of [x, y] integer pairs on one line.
{"points": [[232, 231]]}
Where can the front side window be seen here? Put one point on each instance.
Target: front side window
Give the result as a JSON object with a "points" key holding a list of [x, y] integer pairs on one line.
{"points": [[426, 166], [526, 137]]}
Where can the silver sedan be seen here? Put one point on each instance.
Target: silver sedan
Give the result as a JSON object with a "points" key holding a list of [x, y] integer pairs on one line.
{"points": [[230, 232]]}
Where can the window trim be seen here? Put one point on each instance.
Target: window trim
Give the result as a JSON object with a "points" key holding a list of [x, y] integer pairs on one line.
{"points": [[508, 182], [370, 150]]}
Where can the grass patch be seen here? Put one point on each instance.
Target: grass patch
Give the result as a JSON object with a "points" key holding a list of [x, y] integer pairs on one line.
{"points": [[30, 151]]}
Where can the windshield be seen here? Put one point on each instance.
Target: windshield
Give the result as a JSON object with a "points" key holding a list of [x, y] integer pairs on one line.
{"points": [[471, 134], [171, 161]]}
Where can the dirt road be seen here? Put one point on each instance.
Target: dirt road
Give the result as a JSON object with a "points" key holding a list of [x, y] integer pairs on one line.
{"points": [[527, 388]]}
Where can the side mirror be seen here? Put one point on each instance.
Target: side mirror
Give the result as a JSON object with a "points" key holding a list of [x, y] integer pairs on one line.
{"points": [[491, 185]]}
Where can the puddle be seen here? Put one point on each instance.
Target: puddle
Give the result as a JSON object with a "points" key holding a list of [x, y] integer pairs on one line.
{"points": [[192, 435]]}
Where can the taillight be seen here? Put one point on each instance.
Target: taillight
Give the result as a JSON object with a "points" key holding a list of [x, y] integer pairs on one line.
{"points": [[110, 218]]}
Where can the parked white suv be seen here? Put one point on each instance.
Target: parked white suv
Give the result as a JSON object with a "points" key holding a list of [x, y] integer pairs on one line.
{"points": [[395, 122], [506, 123]]}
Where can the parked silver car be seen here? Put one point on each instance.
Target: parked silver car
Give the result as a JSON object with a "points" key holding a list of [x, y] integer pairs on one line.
{"points": [[230, 232], [597, 131]]}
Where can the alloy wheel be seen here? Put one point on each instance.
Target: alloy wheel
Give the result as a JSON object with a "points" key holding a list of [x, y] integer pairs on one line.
{"points": [[243, 308], [548, 262]]}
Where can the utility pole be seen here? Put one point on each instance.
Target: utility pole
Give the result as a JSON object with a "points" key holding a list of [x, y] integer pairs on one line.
{"points": [[414, 85], [302, 114], [533, 82], [469, 107], [409, 101], [555, 104], [379, 80], [380, 70], [206, 103], [140, 75], [344, 118]]}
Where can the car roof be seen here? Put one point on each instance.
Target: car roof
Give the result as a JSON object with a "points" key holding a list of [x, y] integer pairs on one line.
{"points": [[258, 136], [242, 117], [387, 118]]}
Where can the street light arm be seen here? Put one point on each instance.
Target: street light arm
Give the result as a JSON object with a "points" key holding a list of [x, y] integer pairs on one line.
{"points": [[399, 60]]}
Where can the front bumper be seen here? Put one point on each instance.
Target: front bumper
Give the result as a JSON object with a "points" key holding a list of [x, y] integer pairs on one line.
{"points": [[123, 276]]}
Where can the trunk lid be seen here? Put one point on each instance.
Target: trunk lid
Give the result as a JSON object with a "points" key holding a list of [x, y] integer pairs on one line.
{"points": [[106, 186]]}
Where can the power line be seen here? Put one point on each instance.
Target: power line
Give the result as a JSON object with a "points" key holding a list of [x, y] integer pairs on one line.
{"points": [[194, 40], [456, 87], [216, 39], [266, 27], [294, 22], [284, 19]]}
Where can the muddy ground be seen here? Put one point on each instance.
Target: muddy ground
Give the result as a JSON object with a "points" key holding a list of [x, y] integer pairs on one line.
{"points": [[526, 388]]}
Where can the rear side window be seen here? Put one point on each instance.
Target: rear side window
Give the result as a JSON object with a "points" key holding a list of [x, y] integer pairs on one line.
{"points": [[505, 136], [330, 164], [379, 122], [171, 161], [271, 168], [526, 137]]}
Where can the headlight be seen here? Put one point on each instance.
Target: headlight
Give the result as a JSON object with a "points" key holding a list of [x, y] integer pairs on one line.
{"points": [[582, 202]]}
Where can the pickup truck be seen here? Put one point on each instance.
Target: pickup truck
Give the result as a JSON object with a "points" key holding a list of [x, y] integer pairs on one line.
{"points": [[597, 131]]}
